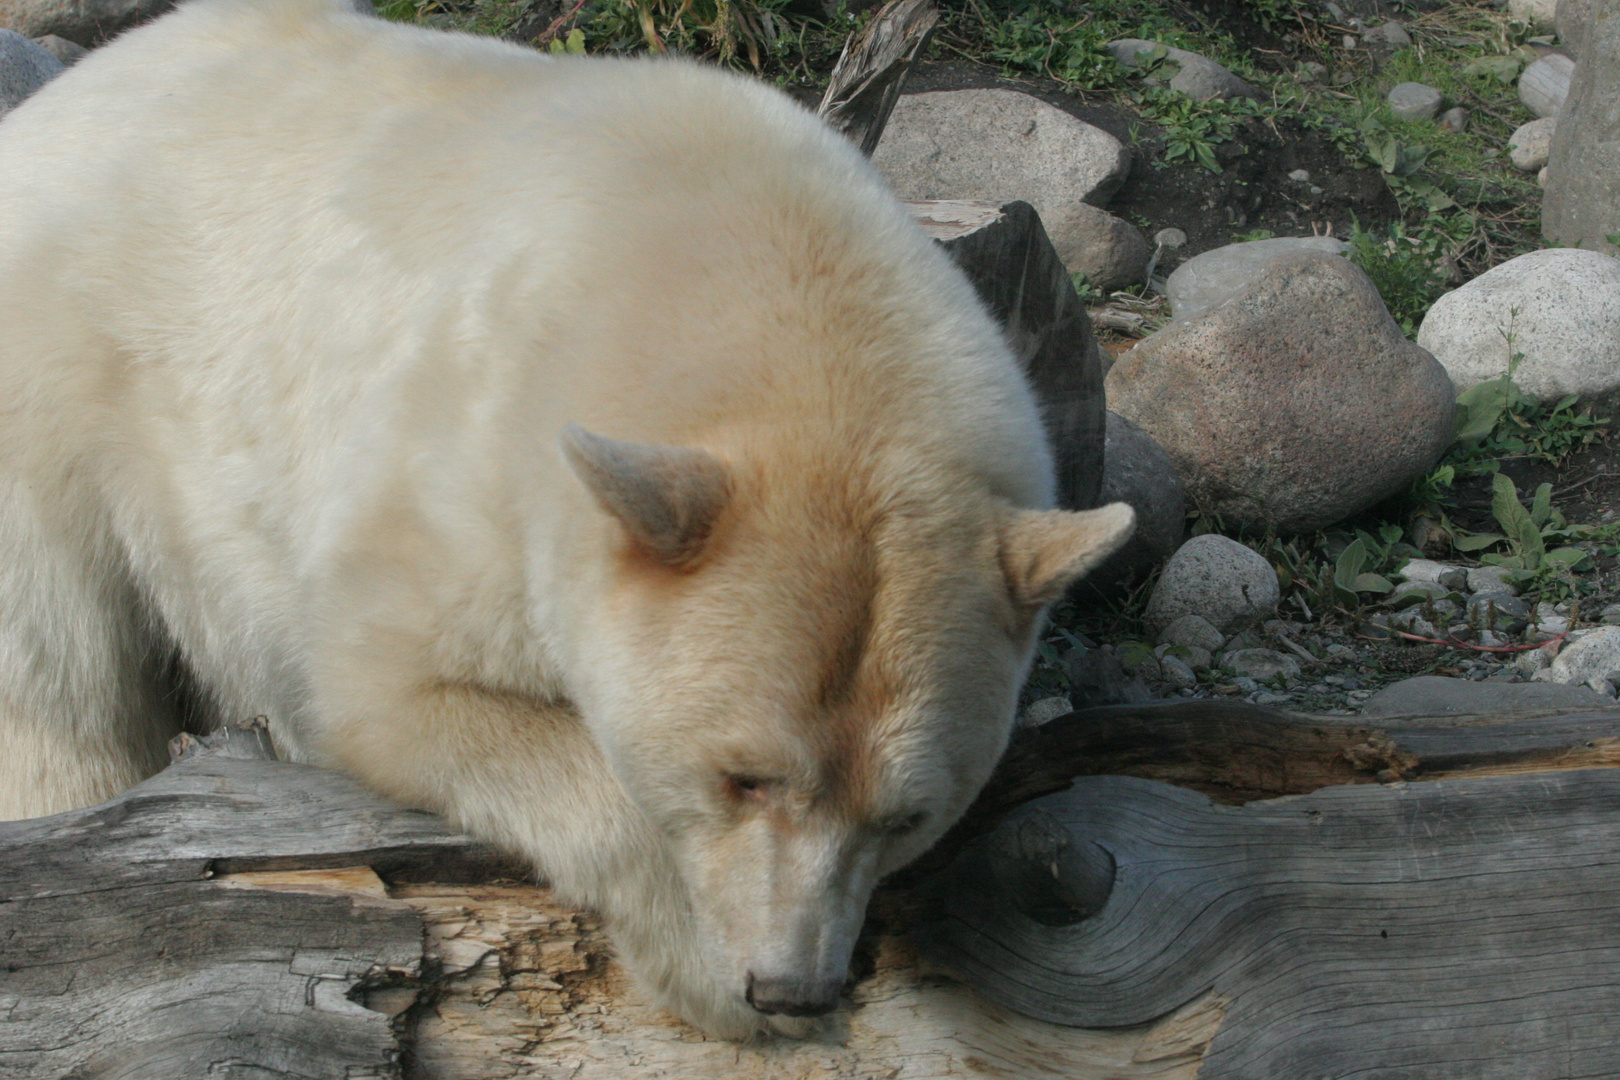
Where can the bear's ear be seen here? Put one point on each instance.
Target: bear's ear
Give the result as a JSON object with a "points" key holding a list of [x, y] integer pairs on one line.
{"points": [[666, 497], [1043, 552]]}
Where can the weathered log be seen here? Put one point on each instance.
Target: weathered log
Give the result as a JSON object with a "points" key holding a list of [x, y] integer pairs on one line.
{"points": [[1463, 927], [870, 72], [246, 918], [1005, 252]]}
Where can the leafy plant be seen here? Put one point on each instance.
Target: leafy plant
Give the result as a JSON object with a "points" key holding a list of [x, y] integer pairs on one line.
{"points": [[1404, 268], [1401, 163], [1362, 565], [1527, 532], [1192, 129]]}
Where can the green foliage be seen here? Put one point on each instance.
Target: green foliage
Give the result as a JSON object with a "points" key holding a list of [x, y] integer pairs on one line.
{"points": [[1401, 163], [572, 45], [1192, 129], [1365, 562], [1088, 293], [1066, 49], [1406, 269], [1495, 419], [1268, 13], [1527, 533]]}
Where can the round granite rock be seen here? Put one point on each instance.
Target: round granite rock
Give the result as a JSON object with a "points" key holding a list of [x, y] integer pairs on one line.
{"points": [[1294, 404]]}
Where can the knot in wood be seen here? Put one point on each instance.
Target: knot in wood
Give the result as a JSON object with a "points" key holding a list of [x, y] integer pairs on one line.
{"points": [[1045, 874]]}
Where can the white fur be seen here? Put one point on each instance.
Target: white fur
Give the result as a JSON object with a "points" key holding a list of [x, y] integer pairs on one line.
{"points": [[294, 306]]}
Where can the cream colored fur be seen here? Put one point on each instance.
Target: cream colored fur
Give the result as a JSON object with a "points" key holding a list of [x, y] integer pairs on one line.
{"points": [[295, 307]]}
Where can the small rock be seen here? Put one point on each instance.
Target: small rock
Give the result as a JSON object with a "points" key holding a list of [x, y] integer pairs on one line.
{"points": [[1206, 281], [1245, 684], [1595, 656], [25, 66], [1217, 578], [1490, 579], [1541, 178], [1386, 39], [1426, 570], [1601, 686], [1414, 101], [1170, 239], [1109, 250], [1262, 665], [1497, 611], [1194, 657], [1610, 615], [65, 51], [1044, 710], [1539, 15], [1434, 695], [1300, 175], [1545, 84], [1193, 631], [1531, 661], [1177, 674], [1412, 622], [1339, 651], [1531, 144], [1403, 589], [1096, 677], [1199, 77], [1562, 308], [1455, 119], [1268, 697]]}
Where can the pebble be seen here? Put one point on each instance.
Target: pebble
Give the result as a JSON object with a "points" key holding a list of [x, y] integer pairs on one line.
{"points": [[1414, 101], [1170, 239], [1301, 175], [1491, 579], [1455, 120], [1044, 710]]}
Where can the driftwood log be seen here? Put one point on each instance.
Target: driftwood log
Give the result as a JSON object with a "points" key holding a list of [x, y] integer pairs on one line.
{"points": [[866, 81], [242, 917], [1005, 252]]}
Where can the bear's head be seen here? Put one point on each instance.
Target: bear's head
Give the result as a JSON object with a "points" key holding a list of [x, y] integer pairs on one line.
{"points": [[803, 674]]}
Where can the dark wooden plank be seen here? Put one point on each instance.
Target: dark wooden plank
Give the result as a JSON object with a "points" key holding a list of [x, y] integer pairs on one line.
{"points": [[1004, 250], [1466, 927]]}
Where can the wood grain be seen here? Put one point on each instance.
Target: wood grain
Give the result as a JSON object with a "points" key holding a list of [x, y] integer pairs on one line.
{"points": [[1454, 928]]}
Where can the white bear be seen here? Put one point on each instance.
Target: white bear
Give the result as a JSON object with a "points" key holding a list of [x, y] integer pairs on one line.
{"points": [[594, 452]]}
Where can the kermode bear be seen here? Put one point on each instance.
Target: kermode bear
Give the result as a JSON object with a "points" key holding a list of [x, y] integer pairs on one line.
{"points": [[592, 451]]}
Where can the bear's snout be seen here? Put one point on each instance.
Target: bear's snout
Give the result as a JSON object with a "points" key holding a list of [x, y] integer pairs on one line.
{"points": [[793, 997]]}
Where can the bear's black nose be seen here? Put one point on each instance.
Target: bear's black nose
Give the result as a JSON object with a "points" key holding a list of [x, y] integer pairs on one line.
{"points": [[793, 997]]}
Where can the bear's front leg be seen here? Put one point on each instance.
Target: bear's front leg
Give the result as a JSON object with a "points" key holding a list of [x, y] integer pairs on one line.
{"points": [[525, 775]]}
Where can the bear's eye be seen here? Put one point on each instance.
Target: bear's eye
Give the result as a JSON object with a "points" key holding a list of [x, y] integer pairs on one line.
{"points": [[900, 826], [743, 787]]}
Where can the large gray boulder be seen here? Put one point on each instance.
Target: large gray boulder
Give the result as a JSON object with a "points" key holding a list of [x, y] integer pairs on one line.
{"points": [[1582, 204], [1293, 405], [1199, 77], [83, 21], [1206, 281], [1561, 307], [1572, 19], [25, 66], [1212, 576], [1000, 145]]}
